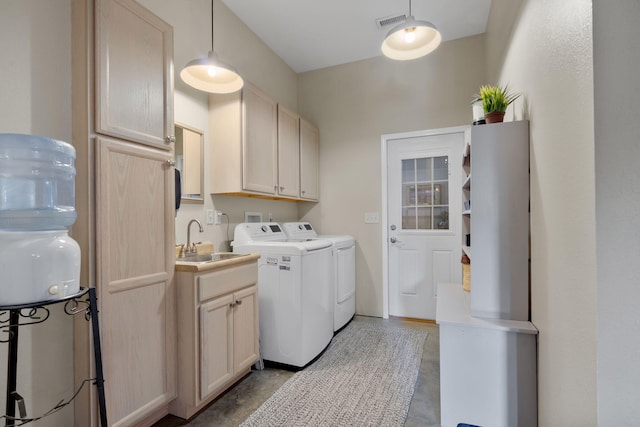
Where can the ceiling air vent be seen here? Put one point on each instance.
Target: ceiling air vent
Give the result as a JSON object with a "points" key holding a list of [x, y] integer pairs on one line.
{"points": [[390, 20]]}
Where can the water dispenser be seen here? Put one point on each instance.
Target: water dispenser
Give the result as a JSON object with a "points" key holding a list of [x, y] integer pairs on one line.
{"points": [[38, 259]]}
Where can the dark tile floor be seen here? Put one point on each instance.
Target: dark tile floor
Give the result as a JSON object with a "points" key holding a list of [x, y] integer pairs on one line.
{"points": [[234, 406]]}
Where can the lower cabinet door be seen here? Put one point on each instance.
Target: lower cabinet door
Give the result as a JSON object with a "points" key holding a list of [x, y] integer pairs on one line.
{"points": [[245, 322], [134, 268], [216, 344]]}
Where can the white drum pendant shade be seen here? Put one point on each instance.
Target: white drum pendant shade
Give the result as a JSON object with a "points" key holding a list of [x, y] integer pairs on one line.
{"points": [[211, 75], [411, 40]]}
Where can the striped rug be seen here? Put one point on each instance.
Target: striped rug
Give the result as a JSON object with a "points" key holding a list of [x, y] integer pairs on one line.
{"points": [[366, 377]]}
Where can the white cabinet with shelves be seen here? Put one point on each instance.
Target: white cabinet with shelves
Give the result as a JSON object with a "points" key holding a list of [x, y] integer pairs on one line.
{"points": [[500, 221], [261, 149], [487, 344], [217, 332]]}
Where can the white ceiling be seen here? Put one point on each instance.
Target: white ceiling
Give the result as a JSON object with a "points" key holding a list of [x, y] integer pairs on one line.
{"points": [[313, 34]]}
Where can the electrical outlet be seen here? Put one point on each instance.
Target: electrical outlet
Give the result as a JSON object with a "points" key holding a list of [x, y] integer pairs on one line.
{"points": [[218, 217], [209, 216]]}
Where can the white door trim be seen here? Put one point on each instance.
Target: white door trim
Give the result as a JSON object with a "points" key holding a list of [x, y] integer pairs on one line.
{"points": [[385, 140]]}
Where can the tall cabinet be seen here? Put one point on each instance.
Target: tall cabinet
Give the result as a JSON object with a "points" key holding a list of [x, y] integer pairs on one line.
{"points": [[487, 344], [127, 145]]}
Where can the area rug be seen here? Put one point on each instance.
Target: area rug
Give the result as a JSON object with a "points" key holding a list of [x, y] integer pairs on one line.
{"points": [[366, 377]]}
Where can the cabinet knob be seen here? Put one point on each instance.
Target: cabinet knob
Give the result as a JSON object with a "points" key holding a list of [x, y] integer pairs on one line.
{"points": [[232, 304], [238, 302], [303, 191], [171, 162], [170, 138], [281, 188]]}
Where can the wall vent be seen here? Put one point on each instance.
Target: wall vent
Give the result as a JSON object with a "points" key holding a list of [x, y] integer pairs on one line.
{"points": [[390, 20]]}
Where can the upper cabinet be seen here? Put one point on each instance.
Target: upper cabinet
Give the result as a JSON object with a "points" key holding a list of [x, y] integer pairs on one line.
{"points": [[309, 153], [259, 141], [259, 148], [288, 152], [135, 80]]}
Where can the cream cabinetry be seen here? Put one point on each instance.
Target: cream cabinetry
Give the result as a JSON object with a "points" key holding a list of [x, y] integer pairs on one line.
{"points": [[217, 332], [126, 218], [243, 145], [134, 74], [309, 159], [288, 153], [135, 263], [261, 149]]}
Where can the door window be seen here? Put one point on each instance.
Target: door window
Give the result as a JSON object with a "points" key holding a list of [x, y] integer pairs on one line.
{"points": [[425, 193]]}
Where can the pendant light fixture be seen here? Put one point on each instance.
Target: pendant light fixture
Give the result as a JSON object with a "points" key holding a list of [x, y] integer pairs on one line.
{"points": [[211, 75], [411, 39]]}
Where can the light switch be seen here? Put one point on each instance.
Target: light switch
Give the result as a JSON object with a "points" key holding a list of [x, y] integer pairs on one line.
{"points": [[371, 217]]}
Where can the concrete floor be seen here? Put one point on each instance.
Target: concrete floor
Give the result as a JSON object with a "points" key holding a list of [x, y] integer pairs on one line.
{"points": [[234, 406]]}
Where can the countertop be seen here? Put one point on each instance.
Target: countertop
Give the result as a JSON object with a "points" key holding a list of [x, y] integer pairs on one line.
{"points": [[212, 265]]}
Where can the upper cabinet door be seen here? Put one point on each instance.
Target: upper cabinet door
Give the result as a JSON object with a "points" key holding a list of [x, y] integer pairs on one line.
{"points": [[309, 159], [288, 152], [259, 141], [134, 74]]}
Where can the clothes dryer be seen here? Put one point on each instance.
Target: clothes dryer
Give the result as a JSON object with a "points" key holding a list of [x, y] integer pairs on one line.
{"points": [[343, 269], [294, 291]]}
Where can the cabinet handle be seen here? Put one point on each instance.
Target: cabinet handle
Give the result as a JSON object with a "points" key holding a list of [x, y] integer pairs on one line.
{"points": [[281, 188], [238, 302], [171, 162], [232, 304], [171, 138], [303, 191]]}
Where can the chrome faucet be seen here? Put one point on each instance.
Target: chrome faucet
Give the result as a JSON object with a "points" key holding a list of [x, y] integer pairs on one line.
{"points": [[190, 248]]}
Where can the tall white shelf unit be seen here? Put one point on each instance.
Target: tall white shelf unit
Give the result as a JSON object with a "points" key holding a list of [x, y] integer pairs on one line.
{"points": [[488, 346]]}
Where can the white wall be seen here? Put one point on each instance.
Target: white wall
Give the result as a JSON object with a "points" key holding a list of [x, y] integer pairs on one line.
{"points": [[353, 105], [35, 98], [617, 151], [549, 60]]}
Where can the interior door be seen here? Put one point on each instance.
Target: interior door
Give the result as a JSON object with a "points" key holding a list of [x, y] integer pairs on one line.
{"points": [[423, 211]]}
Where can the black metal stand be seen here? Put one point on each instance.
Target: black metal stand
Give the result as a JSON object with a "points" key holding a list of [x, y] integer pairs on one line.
{"points": [[38, 313]]}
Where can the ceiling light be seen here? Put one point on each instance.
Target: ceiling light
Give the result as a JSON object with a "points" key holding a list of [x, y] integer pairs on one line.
{"points": [[411, 39], [209, 74]]}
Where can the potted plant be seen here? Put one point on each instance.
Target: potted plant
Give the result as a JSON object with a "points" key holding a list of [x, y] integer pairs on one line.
{"points": [[495, 100]]}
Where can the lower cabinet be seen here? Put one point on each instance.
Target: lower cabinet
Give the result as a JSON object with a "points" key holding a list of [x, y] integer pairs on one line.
{"points": [[488, 374], [227, 338], [217, 333]]}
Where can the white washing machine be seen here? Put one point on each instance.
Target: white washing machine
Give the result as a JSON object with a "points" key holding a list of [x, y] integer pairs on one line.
{"points": [[344, 268], [295, 294]]}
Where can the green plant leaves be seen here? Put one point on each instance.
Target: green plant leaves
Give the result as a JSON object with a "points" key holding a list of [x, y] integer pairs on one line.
{"points": [[496, 98]]}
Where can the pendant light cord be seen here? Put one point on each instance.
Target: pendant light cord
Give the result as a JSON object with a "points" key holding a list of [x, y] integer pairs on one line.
{"points": [[410, 14], [211, 25]]}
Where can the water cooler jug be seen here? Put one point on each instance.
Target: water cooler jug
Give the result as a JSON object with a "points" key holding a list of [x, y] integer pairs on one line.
{"points": [[38, 260]]}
